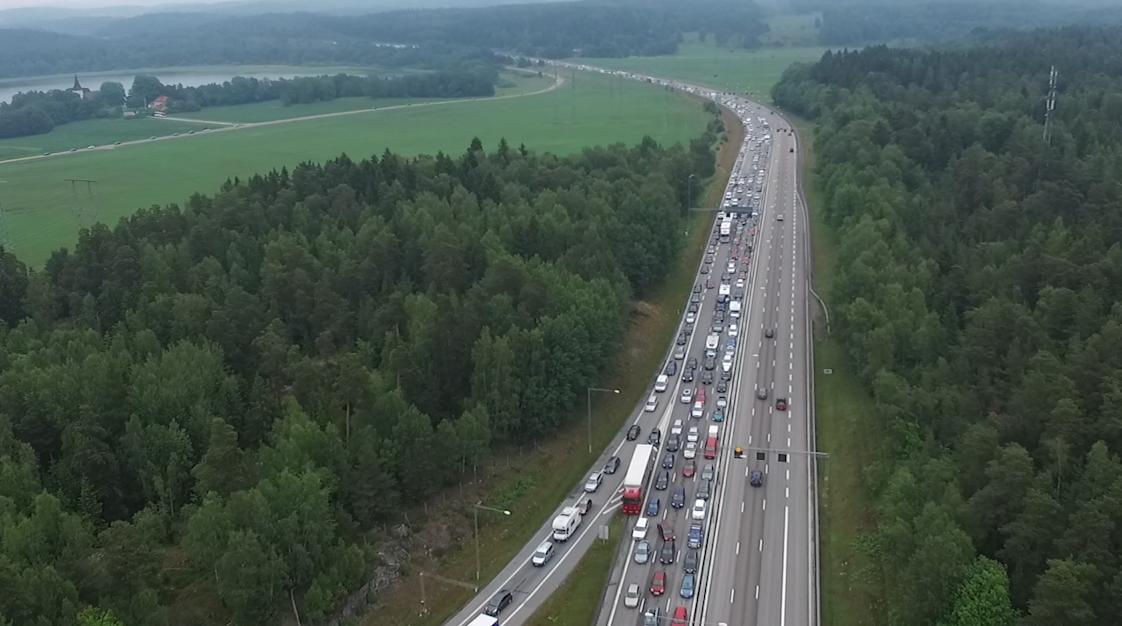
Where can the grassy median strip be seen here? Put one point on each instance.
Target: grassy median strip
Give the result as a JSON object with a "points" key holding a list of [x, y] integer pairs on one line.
{"points": [[577, 602], [851, 587], [533, 480]]}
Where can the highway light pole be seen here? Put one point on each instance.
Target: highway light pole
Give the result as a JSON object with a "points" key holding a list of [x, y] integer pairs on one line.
{"points": [[590, 390], [475, 510]]}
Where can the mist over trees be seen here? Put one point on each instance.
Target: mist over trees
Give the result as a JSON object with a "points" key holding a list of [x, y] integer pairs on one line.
{"points": [[979, 276], [230, 396]]}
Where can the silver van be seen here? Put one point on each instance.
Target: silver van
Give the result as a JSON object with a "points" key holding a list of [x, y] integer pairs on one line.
{"points": [[543, 554]]}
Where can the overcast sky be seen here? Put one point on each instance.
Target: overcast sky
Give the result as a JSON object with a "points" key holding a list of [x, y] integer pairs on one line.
{"points": [[81, 4]]}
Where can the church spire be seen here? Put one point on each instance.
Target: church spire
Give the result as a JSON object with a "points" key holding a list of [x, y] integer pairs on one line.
{"points": [[77, 85]]}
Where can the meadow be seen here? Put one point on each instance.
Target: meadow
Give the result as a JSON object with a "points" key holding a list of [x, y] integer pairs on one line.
{"points": [[42, 212], [745, 71], [90, 133]]}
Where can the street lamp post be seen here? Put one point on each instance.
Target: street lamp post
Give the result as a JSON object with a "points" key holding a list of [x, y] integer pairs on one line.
{"points": [[590, 390], [475, 511]]}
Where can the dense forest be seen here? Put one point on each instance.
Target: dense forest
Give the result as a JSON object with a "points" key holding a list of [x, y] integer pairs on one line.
{"points": [[230, 396], [978, 294], [854, 22], [37, 112], [431, 37]]}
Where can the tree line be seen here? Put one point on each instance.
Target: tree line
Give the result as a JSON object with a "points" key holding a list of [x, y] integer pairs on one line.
{"points": [[476, 82], [227, 398], [978, 280], [855, 22], [38, 112]]}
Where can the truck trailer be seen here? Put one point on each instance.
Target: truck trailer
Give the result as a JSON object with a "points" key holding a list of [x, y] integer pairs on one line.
{"points": [[635, 480]]}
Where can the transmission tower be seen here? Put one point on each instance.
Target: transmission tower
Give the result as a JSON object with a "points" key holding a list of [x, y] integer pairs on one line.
{"points": [[1050, 106], [85, 213]]}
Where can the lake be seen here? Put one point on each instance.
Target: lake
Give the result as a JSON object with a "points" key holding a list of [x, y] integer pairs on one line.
{"points": [[187, 76]]}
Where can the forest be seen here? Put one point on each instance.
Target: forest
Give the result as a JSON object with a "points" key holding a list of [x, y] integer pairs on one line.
{"points": [[858, 22], [415, 38], [231, 398], [979, 278]]}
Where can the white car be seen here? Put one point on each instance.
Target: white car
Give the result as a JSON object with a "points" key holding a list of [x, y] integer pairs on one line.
{"points": [[661, 383], [687, 395], [698, 512], [691, 317], [631, 598], [726, 363], [690, 451], [640, 531], [740, 282], [652, 403], [593, 482], [693, 435], [698, 410], [733, 330]]}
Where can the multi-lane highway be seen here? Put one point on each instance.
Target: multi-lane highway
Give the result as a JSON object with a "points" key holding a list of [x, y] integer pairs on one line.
{"points": [[744, 536]]}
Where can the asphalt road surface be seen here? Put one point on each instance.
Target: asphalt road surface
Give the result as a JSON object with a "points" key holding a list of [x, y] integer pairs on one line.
{"points": [[757, 560]]}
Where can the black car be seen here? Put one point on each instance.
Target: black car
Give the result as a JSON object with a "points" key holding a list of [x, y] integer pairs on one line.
{"points": [[726, 375], [500, 601], [667, 553], [678, 500], [655, 437], [668, 459], [710, 362], [687, 375], [671, 368], [704, 487], [681, 338], [769, 333], [612, 465], [633, 432], [757, 478], [722, 386], [707, 377], [663, 480], [673, 442], [693, 539], [689, 564]]}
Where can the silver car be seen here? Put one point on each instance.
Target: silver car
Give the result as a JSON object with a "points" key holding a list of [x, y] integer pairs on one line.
{"points": [[642, 552]]}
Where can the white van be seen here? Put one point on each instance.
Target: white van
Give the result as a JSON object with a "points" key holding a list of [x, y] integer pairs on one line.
{"points": [[661, 382], [652, 403], [713, 340], [724, 290], [734, 308]]}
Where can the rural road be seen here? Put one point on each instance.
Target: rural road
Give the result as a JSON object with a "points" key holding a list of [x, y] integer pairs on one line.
{"points": [[558, 81]]}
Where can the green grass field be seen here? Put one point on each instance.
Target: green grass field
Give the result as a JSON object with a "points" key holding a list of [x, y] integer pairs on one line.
{"points": [[89, 133], [751, 71], [513, 83], [40, 208]]}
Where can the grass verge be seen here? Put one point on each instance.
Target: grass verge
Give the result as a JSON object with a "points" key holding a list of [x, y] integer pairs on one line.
{"points": [[549, 471], [850, 596], [576, 602]]}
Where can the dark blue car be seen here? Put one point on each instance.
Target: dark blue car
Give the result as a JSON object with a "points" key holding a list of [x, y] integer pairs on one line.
{"points": [[653, 507], [693, 540]]}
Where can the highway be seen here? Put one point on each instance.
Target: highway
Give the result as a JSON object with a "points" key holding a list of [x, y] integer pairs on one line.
{"points": [[757, 560]]}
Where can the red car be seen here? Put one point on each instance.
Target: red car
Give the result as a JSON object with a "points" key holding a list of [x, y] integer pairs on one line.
{"points": [[781, 404], [699, 395], [679, 616], [689, 469], [658, 584]]}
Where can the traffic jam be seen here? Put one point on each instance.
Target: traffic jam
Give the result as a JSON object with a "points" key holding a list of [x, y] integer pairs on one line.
{"points": [[671, 478]]}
